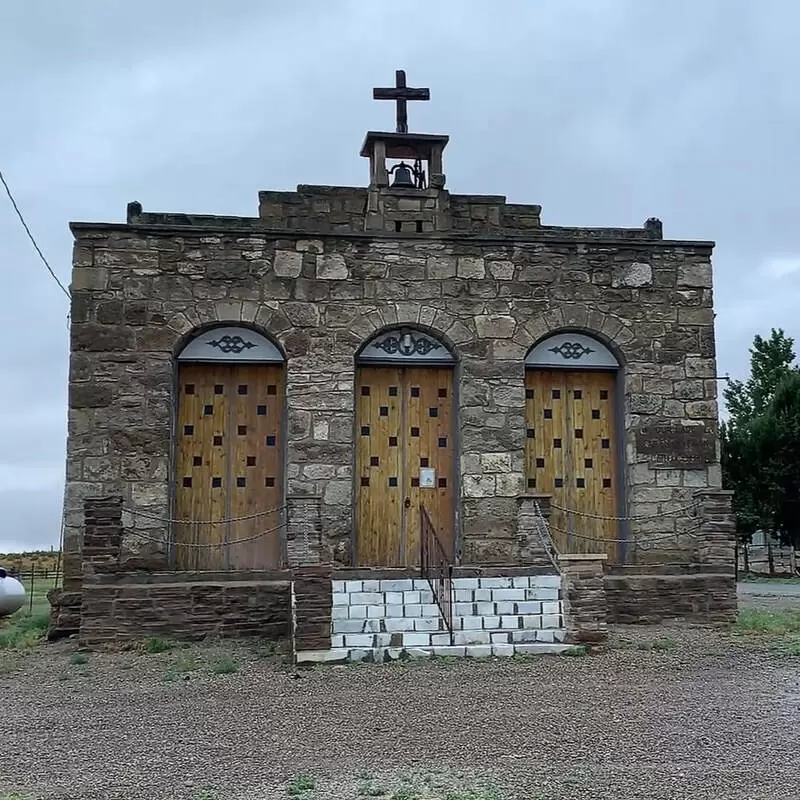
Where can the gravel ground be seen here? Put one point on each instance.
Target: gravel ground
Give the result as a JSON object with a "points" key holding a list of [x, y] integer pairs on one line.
{"points": [[705, 716]]}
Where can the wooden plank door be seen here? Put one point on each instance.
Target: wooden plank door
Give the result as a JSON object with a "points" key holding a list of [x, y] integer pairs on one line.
{"points": [[229, 466], [404, 440], [570, 455]]}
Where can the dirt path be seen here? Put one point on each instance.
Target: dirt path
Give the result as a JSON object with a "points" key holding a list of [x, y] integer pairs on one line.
{"points": [[705, 717]]}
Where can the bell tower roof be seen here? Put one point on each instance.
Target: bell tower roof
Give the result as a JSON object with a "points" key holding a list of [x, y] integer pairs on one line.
{"points": [[404, 145]]}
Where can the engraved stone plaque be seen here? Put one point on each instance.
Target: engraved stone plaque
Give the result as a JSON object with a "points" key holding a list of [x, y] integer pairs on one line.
{"points": [[671, 446]]}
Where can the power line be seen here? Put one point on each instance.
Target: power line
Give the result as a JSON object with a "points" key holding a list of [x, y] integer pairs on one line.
{"points": [[30, 236]]}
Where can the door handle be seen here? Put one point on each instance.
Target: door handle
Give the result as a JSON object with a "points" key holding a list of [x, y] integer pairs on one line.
{"points": [[407, 502]]}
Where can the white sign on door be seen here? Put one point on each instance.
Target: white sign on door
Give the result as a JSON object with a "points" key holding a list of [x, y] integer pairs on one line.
{"points": [[427, 478]]}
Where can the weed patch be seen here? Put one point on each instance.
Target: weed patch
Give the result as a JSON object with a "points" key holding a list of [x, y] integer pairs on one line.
{"points": [[79, 658]]}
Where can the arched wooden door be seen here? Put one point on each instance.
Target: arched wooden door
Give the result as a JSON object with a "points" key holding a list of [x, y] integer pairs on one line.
{"points": [[405, 452], [572, 447], [229, 454]]}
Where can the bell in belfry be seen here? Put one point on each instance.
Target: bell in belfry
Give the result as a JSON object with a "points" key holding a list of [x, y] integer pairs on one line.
{"points": [[403, 177]]}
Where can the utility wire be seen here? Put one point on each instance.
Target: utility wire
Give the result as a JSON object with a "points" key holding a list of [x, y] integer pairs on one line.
{"points": [[30, 236]]}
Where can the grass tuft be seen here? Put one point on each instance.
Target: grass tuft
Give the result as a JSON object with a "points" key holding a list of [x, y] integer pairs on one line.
{"points": [[762, 621], [79, 658], [23, 630], [302, 783], [225, 666], [155, 645], [576, 652]]}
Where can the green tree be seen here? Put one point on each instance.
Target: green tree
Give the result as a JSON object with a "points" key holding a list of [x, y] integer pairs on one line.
{"points": [[751, 464]]}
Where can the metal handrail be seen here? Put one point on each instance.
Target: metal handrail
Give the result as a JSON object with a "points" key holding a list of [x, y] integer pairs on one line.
{"points": [[436, 566]]}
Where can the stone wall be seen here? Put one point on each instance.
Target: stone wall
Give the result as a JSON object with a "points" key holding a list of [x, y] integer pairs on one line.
{"points": [[311, 608], [584, 597], [307, 275], [704, 591], [125, 607]]}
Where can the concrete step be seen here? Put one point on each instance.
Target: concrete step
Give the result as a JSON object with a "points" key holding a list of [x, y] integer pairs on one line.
{"points": [[380, 655]]}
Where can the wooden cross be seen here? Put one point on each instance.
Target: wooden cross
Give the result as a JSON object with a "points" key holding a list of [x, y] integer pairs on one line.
{"points": [[400, 94]]}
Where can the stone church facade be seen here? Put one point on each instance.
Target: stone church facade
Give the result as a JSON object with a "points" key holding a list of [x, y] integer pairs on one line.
{"points": [[323, 369]]}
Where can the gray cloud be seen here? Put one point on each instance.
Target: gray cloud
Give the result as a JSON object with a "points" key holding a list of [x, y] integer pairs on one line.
{"points": [[605, 113]]}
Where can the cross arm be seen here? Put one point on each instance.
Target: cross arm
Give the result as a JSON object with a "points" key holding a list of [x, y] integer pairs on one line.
{"points": [[401, 94]]}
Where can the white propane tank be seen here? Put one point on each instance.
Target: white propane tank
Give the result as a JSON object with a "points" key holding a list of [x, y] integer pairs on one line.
{"points": [[12, 594]]}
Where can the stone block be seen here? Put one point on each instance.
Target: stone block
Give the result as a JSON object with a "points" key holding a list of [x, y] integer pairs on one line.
{"points": [[524, 635], [463, 609], [438, 639], [422, 584], [495, 583], [545, 635], [402, 585], [416, 639], [359, 639], [550, 607], [551, 621], [466, 583], [470, 637], [449, 651], [500, 637], [468, 623], [418, 652], [340, 612], [393, 598], [338, 587], [411, 598], [411, 610], [491, 622], [322, 656], [507, 607], [376, 612], [430, 610], [462, 595], [470, 267], [521, 582], [484, 608], [366, 598], [545, 582], [529, 607], [531, 621], [423, 624], [479, 651], [512, 621], [358, 612], [502, 650], [398, 623], [514, 595], [354, 586], [542, 594], [371, 586], [337, 640], [288, 263], [340, 599]]}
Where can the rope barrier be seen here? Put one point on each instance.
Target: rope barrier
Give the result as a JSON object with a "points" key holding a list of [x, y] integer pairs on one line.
{"points": [[640, 542]]}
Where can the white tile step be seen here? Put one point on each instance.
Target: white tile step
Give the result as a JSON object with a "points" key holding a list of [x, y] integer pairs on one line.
{"points": [[343, 654]]}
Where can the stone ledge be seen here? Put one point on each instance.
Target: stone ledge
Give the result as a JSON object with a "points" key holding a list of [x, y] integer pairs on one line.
{"points": [[583, 556]]}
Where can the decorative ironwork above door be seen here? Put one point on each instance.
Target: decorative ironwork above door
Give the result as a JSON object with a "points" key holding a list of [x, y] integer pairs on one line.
{"points": [[405, 344], [571, 350], [231, 344]]}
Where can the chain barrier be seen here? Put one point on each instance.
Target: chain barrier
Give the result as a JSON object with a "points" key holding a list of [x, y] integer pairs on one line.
{"points": [[543, 532], [224, 520], [637, 541], [208, 545], [657, 515]]}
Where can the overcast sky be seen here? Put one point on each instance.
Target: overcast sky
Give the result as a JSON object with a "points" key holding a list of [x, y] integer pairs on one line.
{"points": [[604, 111]]}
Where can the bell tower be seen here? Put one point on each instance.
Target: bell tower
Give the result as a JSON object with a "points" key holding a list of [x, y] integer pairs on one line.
{"points": [[406, 183]]}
